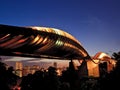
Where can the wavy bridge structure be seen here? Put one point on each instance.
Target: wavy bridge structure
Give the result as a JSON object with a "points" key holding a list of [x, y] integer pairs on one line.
{"points": [[40, 42]]}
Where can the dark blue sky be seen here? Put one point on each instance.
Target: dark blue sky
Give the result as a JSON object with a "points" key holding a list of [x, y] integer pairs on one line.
{"points": [[95, 23]]}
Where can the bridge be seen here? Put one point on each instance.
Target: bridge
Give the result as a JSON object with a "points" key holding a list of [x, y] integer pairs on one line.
{"points": [[40, 42]]}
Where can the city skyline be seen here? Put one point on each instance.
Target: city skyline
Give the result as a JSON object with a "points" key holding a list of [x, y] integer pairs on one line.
{"points": [[28, 61]]}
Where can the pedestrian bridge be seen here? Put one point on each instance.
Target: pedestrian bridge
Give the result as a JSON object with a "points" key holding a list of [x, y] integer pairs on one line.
{"points": [[40, 42]]}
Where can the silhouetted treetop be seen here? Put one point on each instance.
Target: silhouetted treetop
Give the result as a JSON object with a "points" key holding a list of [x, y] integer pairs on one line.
{"points": [[116, 55]]}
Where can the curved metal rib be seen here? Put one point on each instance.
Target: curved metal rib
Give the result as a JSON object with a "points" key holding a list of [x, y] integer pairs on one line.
{"points": [[40, 42]]}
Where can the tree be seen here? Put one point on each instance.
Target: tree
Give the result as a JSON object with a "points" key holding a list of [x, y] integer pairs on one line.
{"points": [[112, 80], [116, 55]]}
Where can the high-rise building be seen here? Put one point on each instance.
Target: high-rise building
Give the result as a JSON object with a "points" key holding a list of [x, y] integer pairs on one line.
{"points": [[55, 64], [18, 68], [18, 65], [26, 70]]}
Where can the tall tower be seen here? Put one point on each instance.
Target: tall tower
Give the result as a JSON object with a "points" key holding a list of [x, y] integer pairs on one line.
{"points": [[18, 68]]}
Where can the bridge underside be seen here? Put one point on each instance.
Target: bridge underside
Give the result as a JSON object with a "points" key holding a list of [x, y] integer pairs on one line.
{"points": [[40, 42]]}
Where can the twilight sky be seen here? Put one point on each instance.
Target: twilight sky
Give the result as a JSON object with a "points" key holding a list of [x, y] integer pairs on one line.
{"points": [[95, 23]]}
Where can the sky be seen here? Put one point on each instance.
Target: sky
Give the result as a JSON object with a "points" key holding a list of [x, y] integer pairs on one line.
{"points": [[95, 23]]}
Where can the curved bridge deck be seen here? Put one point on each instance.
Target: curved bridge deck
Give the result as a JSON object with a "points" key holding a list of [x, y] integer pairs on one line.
{"points": [[40, 42]]}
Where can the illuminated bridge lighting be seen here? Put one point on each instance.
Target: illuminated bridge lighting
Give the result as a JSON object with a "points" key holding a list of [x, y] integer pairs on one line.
{"points": [[41, 42]]}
